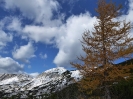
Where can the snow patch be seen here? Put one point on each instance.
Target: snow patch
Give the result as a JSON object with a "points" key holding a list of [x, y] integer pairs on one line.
{"points": [[9, 81], [60, 70], [76, 74]]}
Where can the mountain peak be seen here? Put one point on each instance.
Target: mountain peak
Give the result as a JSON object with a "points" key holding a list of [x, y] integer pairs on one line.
{"points": [[49, 81], [57, 69]]}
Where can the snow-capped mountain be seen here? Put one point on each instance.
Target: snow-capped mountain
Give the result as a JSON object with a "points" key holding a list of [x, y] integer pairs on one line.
{"points": [[47, 82], [12, 78]]}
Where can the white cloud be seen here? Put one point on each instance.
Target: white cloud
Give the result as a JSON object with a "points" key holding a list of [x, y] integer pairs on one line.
{"points": [[4, 38], [40, 33], [129, 16], [15, 25], [43, 56], [8, 65], [29, 66], [66, 36], [37, 10], [68, 39], [69, 42], [24, 52], [130, 11], [34, 74]]}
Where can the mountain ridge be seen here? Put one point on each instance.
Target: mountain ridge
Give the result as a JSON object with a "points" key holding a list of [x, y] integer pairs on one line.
{"points": [[47, 82]]}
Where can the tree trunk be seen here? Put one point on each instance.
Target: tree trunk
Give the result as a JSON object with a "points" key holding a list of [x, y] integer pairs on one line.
{"points": [[107, 93]]}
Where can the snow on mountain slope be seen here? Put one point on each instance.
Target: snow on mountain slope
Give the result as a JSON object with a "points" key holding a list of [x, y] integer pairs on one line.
{"points": [[60, 70], [9, 81], [51, 75], [19, 76], [76, 74], [49, 81]]}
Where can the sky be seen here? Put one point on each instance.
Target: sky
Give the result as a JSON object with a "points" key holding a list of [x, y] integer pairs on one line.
{"points": [[36, 35]]}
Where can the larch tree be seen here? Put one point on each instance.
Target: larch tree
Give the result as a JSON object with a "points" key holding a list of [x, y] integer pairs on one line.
{"points": [[109, 41]]}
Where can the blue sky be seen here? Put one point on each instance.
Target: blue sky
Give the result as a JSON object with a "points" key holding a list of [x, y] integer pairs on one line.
{"points": [[36, 35]]}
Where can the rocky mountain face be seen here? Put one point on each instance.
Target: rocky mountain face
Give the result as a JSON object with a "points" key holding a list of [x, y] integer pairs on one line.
{"points": [[23, 85]]}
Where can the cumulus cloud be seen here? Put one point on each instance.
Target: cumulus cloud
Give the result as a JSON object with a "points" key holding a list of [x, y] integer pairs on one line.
{"points": [[8, 65], [130, 11], [37, 10], [40, 33], [43, 56], [128, 16], [66, 36], [14, 25], [69, 42], [24, 53], [4, 38]]}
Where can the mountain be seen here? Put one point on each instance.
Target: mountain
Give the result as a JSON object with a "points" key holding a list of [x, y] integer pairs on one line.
{"points": [[23, 85]]}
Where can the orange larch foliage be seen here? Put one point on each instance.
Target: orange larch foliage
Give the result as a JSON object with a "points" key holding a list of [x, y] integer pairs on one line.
{"points": [[108, 42]]}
